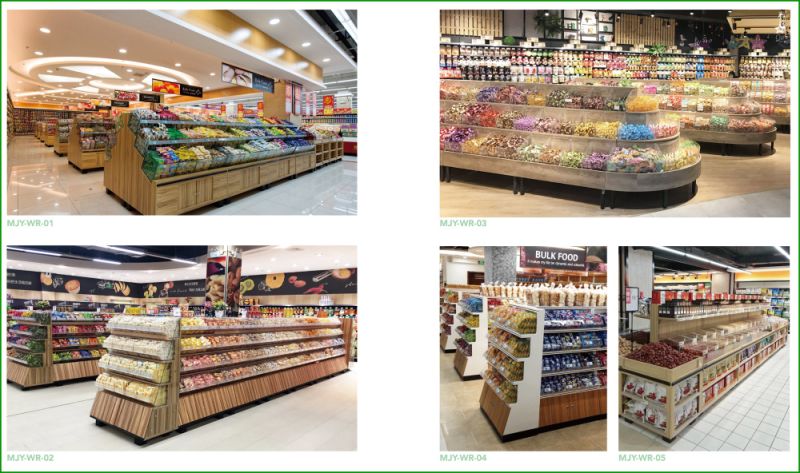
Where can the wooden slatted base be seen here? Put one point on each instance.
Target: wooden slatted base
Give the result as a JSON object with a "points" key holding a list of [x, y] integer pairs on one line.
{"points": [[142, 420], [61, 149], [75, 370], [26, 376], [205, 403], [460, 364], [571, 407], [443, 343], [496, 410]]}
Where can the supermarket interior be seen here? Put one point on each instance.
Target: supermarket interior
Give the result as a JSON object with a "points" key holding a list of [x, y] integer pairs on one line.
{"points": [[522, 333], [166, 112], [614, 113], [695, 324], [181, 348]]}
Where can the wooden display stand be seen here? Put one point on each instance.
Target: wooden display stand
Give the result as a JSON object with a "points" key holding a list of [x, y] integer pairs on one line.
{"points": [[79, 158], [328, 151], [180, 194], [40, 131], [533, 410], [60, 148], [50, 138], [53, 371], [447, 336], [676, 382], [145, 421]]}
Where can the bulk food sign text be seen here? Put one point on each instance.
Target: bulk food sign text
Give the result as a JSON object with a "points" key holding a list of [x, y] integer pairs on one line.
{"points": [[552, 258]]}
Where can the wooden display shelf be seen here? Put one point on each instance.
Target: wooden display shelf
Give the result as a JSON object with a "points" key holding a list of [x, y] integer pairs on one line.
{"points": [[733, 138], [145, 421], [180, 194], [60, 148], [27, 376], [572, 406], [443, 337], [49, 139], [328, 151], [83, 160], [77, 369], [251, 360]]}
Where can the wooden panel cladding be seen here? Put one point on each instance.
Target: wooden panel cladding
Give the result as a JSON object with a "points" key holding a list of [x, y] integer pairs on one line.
{"points": [[639, 29], [569, 407], [26, 376], [495, 409], [305, 162], [205, 403], [141, 420], [75, 370], [460, 363], [471, 22], [328, 151], [443, 341]]}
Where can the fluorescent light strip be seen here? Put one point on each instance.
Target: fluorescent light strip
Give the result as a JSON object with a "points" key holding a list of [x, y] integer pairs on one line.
{"points": [[313, 24], [38, 252], [783, 252], [185, 261], [462, 254], [101, 260], [124, 250], [348, 24], [700, 258]]}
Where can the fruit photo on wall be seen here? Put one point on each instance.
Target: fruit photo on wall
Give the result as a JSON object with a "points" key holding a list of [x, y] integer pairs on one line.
{"points": [[331, 281]]}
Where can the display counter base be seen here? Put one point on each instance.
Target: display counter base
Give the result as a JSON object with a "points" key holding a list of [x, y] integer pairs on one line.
{"points": [[725, 139], [75, 370], [61, 149], [603, 181], [25, 376], [461, 365]]}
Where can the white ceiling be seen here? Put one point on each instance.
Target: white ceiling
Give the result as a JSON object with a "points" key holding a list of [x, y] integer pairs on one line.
{"points": [[259, 260], [296, 28], [154, 40]]}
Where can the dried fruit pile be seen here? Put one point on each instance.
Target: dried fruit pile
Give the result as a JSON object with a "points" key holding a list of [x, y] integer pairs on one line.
{"points": [[661, 354]]}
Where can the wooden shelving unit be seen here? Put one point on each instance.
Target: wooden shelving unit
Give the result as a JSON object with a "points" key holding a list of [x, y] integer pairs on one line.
{"points": [[61, 146], [50, 133], [665, 401], [186, 403], [519, 408], [50, 371], [86, 160], [328, 151], [179, 194], [447, 314], [471, 365]]}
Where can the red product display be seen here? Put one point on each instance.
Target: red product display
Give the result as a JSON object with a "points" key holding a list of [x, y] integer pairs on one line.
{"points": [[661, 354]]}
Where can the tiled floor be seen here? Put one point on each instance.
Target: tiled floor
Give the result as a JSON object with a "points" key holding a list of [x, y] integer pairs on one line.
{"points": [[57, 418], [41, 183], [754, 416], [465, 428]]}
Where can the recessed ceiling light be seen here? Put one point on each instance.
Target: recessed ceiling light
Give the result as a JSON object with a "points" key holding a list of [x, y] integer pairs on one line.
{"points": [[212, 74], [306, 44], [38, 53], [129, 70], [177, 64], [274, 21], [44, 30], [131, 78], [49, 71], [327, 59], [123, 50]]}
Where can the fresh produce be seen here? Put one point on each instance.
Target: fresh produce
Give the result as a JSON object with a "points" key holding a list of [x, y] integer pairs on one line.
{"points": [[661, 354]]}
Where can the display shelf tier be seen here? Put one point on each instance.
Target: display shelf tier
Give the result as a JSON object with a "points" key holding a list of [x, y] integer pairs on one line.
{"points": [[261, 373], [248, 361], [29, 321], [132, 377], [602, 180], [502, 372], [22, 347], [514, 106], [754, 114], [722, 313], [573, 391], [78, 322], [26, 334], [88, 358], [559, 49], [142, 334], [189, 331], [148, 121], [646, 425], [17, 360], [506, 352], [232, 139], [140, 356], [577, 87], [508, 329], [225, 348], [78, 347], [586, 139], [729, 137], [575, 329], [463, 321], [574, 350], [78, 334], [546, 374]]}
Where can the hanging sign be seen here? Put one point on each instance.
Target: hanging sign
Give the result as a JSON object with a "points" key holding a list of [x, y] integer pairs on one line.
{"points": [[150, 98], [327, 104], [343, 104], [552, 258], [125, 95], [332, 281], [120, 103], [288, 97], [175, 88], [24, 280], [298, 92], [260, 108], [190, 288], [238, 76], [223, 109], [191, 90]]}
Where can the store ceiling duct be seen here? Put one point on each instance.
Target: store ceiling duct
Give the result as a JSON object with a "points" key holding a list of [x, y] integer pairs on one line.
{"points": [[758, 21]]}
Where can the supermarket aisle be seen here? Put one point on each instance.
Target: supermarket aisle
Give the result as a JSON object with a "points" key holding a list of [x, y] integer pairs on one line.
{"points": [[318, 417], [464, 427], [754, 416], [41, 183]]}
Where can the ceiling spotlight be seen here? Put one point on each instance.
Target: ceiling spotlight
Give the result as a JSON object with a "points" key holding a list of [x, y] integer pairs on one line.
{"points": [[107, 261], [547, 13], [128, 70], [274, 21], [44, 30], [327, 59], [38, 53], [177, 64], [652, 15], [306, 44], [212, 74], [49, 71], [123, 50], [691, 13], [131, 79]]}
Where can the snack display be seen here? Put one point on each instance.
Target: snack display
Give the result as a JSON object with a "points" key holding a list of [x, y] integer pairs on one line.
{"points": [[516, 346], [515, 318], [204, 361], [159, 349], [662, 354], [76, 355], [154, 395], [572, 382], [510, 369], [219, 341], [573, 319], [162, 325], [502, 387], [189, 324], [577, 361], [574, 341], [150, 370], [75, 342]]}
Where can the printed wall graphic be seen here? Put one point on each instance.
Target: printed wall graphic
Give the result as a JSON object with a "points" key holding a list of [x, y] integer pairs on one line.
{"points": [[331, 281]]}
